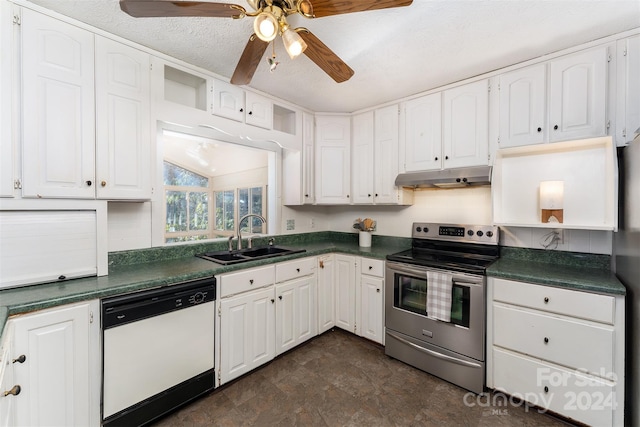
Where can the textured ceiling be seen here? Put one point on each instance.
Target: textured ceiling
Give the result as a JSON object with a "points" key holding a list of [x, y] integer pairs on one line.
{"points": [[394, 52]]}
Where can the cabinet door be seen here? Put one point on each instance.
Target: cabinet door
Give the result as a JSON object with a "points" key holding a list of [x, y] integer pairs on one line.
{"points": [[578, 96], [6, 111], [296, 319], [60, 375], [247, 332], [57, 108], [123, 143], [308, 146], [259, 111], [423, 130], [228, 101], [523, 106], [7, 381], [333, 168], [326, 293], [386, 154], [371, 308], [466, 125], [345, 292], [362, 148]]}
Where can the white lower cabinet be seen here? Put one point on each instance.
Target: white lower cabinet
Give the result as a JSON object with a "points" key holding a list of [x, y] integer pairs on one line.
{"points": [[326, 293], [345, 292], [9, 390], [559, 349], [59, 376], [296, 319], [247, 332], [371, 299]]}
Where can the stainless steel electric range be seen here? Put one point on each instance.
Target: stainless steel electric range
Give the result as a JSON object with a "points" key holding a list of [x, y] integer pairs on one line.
{"points": [[435, 301]]}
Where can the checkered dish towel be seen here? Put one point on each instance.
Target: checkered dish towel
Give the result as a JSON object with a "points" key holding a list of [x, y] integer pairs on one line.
{"points": [[439, 287]]}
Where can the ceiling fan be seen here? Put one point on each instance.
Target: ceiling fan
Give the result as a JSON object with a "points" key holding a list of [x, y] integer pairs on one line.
{"points": [[270, 21]]}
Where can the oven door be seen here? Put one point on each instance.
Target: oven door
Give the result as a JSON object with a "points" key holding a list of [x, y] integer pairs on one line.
{"points": [[406, 309]]}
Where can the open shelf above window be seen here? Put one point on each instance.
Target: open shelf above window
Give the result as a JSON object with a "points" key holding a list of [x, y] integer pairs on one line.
{"points": [[185, 88], [588, 168], [284, 120]]}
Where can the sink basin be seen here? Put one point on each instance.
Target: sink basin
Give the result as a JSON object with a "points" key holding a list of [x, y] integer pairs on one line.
{"points": [[249, 254]]}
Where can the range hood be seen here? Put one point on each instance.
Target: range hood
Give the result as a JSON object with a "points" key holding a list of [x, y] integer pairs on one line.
{"points": [[447, 178]]}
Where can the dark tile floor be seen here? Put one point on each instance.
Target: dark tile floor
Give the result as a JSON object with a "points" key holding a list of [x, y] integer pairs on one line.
{"points": [[339, 379]]}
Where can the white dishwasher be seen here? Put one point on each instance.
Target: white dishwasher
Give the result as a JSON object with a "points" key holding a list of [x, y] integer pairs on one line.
{"points": [[158, 350]]}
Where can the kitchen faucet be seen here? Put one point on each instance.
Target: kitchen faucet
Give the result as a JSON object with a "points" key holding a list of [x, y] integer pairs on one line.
{"points": [[240, 226]]}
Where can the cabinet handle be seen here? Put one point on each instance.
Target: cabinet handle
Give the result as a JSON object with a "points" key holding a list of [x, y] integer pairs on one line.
{"points": [[321, 264], [250, 112], [242, 110], [539, 129], [376, 194], [89, 183], [546, 300], [280, 297], [546, 389], [15, 390], [435, 158], [370, 267], [378, 290], [368, 195], [251, 281], [272, 300], [103, 183], [306, 195], [546, 340], [555, 127], [446, 157], [20, 359], [298, 270], [347, 196]]}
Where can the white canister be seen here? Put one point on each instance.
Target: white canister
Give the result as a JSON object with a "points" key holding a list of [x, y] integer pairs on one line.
{"points": [[365, 239]]}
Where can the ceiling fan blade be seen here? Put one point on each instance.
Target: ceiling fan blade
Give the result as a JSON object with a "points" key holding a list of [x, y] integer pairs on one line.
{"points": [[323, 8], [249, 61], [324, 57], [165, 8]]}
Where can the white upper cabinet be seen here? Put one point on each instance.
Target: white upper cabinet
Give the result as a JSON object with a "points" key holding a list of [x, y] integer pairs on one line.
{"points": [[308, 156], [466, 125], [423, 133], [578, 95], [333, 168], [234, 103], [628, 93], [386, 144], [57, 108], [6, 112], [362, 148], [523, 106], [122, 122]]}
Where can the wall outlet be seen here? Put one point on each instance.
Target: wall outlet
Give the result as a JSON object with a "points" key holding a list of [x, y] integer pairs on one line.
{"points": [[291, 224]]}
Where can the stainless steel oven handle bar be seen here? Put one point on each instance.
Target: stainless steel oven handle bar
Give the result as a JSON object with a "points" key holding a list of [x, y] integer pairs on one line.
{"points": [[420, 271], [435, 353]]}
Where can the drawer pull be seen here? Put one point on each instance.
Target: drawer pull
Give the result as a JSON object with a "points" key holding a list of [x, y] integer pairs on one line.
{"points": [[378, 290], [546, 340], [298, 270], [546, 389], [370, 267], [20, 359], [251, 281], [546, 300]]}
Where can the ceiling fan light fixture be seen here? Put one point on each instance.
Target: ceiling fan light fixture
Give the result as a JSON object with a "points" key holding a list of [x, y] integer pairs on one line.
{"points": [[266, 26], [293, 43]]}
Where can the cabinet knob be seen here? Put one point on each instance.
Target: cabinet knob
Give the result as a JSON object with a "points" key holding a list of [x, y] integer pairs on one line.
{"points": [[242, 110], [321, 264], [89, 183], [539, 129], [546, 300], [376, 194], [250, 112], [280, 297], [347, 196], [251, 281], [446, 157], [546, 340], [20, 359], [368, 195], [306, 195], [370, 267], [435, 158], [378, 290], [546, 389], [15, 390], [298, 270], [555, 127], [272, 301], [103, 183]]}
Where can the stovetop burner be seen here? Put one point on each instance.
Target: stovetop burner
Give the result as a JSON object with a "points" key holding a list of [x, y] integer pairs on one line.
{"points": [[464, 248]]}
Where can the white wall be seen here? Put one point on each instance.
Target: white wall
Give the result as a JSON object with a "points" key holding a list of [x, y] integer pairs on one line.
{"points": [[129, 226]]}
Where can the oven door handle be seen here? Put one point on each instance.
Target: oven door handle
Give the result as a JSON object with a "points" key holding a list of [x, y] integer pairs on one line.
{"points": [[435, 353]]}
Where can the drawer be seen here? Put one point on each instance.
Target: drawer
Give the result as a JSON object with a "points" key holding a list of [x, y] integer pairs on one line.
{"points": [[246, 280], [599, 308], [571, 343], [294, 269], [569, 393], [372, 267]]}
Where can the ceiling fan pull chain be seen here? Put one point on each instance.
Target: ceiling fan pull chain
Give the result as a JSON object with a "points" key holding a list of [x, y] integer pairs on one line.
{"points": [[272, 61]]}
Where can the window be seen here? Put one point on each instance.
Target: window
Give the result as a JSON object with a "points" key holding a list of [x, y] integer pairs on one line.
{"points": [[187, 204], [231, 205]]}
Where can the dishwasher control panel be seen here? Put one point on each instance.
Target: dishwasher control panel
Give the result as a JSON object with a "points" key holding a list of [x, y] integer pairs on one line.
{"points": [[141, 305]]}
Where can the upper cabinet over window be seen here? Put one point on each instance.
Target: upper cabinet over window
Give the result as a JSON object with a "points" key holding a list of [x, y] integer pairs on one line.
{"points": [[575, 108], [333, 166], [234, 103]]}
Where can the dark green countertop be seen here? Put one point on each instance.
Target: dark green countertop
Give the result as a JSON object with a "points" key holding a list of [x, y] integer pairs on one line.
{"points": [[131, 271], [569, 270]]}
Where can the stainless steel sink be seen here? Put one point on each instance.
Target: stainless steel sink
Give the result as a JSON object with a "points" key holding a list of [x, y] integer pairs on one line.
{"points": [[249, 254]]}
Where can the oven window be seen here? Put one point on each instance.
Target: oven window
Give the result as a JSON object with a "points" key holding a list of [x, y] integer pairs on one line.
{"points": [[410, 293]]}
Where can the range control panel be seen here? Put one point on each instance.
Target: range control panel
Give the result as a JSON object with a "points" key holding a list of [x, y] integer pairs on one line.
{"points": [[484, 234]]}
